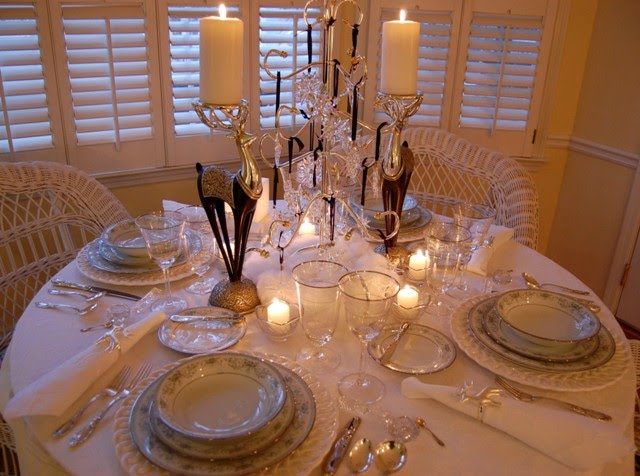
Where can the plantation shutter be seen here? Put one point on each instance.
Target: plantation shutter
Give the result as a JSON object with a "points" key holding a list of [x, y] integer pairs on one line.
{"points": [[435, 69], [28, 122], [111, 70], [284, 29], [502, 67]]}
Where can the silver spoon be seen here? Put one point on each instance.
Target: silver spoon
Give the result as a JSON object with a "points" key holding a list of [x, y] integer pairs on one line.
{"points": [[360, 456], [87, 297], [231, 317], [423, 424], [586, 302], [107, 325], [390, 456], [80, 311], [533, 282]]}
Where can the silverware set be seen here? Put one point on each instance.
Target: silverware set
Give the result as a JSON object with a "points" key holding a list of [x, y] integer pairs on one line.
{"points": [[117, 390]]}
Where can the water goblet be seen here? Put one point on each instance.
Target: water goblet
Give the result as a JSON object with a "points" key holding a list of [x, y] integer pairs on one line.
{"points": [[477, 218], [163, 233], [367, 297], [445, 244], [317, 287], [197, 221]]}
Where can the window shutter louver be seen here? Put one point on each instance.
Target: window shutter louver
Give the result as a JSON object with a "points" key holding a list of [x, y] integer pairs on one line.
{"points": [[108, 66], [25, 122], [283, 28], [433, 63], [502, 58]]}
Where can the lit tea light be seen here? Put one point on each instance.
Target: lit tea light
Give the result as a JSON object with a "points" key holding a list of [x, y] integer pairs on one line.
{"points": [[418, 266], [278, 315], [407, 297], [307, 228]]}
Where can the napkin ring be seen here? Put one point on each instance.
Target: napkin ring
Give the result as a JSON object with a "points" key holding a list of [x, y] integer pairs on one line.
{"points": [[112, 338], [484, 398]]}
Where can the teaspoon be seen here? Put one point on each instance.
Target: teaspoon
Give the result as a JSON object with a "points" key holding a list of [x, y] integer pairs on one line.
{"points": [[360, 456], [423, 424], [390, 456], [534, 283]]}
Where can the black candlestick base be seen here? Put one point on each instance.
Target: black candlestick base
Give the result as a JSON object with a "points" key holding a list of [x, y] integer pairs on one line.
{"points": [[238, 296]]}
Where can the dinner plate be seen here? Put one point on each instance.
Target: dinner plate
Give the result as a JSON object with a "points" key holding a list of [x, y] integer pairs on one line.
{"points": [[602, 354], [547, 318], [504, 335], [97, 259], [119, 276], [232, 447], [220, 396], [495, 361], [199, 337], [310, 434], [421, 350]]}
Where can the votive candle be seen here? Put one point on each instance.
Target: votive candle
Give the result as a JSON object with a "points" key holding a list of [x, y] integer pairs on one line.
{"points": [[278, 315], [407, 297], [307, 228], [417, 266]]}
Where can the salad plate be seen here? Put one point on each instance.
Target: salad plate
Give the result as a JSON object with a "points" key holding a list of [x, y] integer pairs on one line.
{"points": [[421, 350], [220, 396], [202, 336]]}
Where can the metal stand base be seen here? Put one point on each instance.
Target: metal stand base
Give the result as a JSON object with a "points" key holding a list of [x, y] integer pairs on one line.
{"points": [[398, 255], [238, 296]]}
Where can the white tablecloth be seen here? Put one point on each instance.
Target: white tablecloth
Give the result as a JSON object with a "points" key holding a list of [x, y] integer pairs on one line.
{"points": [[44, 339]]}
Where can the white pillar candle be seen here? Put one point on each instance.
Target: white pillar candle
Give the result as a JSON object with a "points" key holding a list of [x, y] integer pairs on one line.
{"points": [[307, 228], [400, 41], [417, 266], [221, 59], [407, 297], [278, 315], [262, 207]]}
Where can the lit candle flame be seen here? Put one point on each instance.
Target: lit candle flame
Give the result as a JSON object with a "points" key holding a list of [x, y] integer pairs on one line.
{"points": [[403, 15], [222, 11]]}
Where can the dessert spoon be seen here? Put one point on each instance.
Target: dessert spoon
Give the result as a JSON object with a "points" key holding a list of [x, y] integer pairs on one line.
{"points": [[534, 283], [390, 456], [360, 456]]}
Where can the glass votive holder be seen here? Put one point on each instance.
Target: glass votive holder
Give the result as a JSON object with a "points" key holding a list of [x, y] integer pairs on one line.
{"points": [[275, 329], [118, 313]]}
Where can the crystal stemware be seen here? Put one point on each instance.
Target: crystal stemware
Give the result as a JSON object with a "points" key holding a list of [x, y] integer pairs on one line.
{"points": [[197, 221], [367, 297], [163, 233], [445, 243], [477, 218], [317, 287]]}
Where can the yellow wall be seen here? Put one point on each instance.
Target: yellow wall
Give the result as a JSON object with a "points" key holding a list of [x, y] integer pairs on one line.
{"points": [[595, 192]]}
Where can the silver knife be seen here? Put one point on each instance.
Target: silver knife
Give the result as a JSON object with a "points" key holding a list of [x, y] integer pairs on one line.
{"points": [[339, 448], [94, 289], [388, 352]]}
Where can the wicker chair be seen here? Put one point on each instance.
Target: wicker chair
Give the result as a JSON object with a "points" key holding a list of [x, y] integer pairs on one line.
{"points": [[48, 212], [635, 353], [449, 169]]}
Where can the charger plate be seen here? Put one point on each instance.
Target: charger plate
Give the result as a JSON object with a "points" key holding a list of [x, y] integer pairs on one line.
{"points": [[579, 381], [147, 278], [301, 461]]}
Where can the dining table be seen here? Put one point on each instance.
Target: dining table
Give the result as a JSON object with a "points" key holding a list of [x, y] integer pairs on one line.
{"points": [[44, 339]]}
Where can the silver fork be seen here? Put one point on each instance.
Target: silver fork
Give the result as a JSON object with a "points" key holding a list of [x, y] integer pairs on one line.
{"points": [[86, 432], [116, 385], [527, 397]]}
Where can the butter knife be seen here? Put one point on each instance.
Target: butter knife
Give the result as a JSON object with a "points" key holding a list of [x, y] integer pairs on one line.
{"points": [[388, 352], [339, 448], [94, 289]]}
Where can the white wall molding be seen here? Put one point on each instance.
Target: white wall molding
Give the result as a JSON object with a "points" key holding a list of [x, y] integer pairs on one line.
{"points": [[595, 149]]}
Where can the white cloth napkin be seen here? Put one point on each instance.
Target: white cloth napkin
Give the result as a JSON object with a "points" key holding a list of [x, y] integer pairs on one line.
{"points": [[579, 442], [479, 261], [55, 391]]}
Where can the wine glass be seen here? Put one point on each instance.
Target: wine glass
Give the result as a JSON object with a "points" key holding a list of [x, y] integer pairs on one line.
{"points": [[445, 243], [477, 218], [367, 297], [317, 287], [197, 221], [163, 233]]}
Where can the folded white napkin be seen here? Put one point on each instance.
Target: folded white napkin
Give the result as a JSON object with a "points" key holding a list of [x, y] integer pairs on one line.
{"points": [[55, 391], [479, 261], [579, 442]]}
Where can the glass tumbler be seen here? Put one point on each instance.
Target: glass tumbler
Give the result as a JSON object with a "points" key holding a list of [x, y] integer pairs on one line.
{"points": [[317, 288], [367, 297], [198, 222]]}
